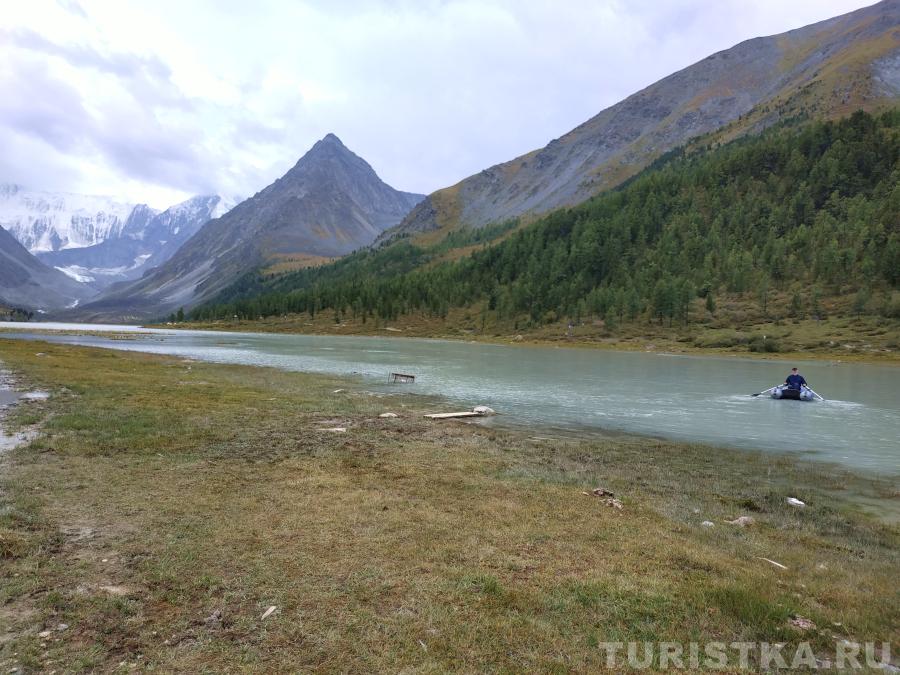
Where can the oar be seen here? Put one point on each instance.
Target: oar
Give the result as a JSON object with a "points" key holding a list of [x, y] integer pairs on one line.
{"points": [[766, 391], [814, 393]]}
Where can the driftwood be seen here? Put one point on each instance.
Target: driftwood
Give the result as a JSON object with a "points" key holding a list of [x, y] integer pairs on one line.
{"points": [[447, 416]]}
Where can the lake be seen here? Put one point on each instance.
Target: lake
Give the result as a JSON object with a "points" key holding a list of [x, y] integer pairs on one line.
{"points": [[688, 398]]}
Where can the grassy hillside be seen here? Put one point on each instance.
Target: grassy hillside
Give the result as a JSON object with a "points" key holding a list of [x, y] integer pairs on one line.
{"points": [[800, 223]]}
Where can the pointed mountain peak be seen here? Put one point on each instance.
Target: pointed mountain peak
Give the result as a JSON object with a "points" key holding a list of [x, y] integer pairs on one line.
{"points": [[330, 143], [330, 154]]}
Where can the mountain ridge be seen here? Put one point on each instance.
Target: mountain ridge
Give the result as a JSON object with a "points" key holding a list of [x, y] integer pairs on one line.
{"points": [[97, 239], [825, 69]]}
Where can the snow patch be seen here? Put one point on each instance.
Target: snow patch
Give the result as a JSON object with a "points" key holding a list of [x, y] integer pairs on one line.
{"points": [[79, 274]]}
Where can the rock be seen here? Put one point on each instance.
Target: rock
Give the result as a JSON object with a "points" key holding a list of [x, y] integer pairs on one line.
{"points": [[743, 521], [45, 634], [518, 338], [606, 496], [336, 430], [214, 620], [338, 391], [388, 415], [708, 523], [802, 623], [483, 410], [793, 501], [268, 612], [63, 626]]}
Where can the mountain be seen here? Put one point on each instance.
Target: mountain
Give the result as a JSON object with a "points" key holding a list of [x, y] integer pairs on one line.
{"points": [[825, 70], [26, 282], [147, 239], [52, 221], [329, 204], [801, 220], [99, 240]]}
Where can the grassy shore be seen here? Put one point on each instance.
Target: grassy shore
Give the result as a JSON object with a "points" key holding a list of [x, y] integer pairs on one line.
{"points": [[166, 504], [736, 331]]}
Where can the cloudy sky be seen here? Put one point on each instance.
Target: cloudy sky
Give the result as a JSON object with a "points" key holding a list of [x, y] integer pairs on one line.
{"points": [[155, 100]]}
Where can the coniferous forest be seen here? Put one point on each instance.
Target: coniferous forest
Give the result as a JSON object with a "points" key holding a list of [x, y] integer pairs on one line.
{"points": [[808, 210]]}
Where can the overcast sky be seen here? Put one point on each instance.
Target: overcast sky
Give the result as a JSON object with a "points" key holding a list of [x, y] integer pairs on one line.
{"points": [[157, 100]]}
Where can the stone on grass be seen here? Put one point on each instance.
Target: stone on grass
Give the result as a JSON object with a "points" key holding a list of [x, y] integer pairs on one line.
{"points": [[268, 612], [793, 501], [388, 415], [708, 523], [606, 496], [742, 521], [802, 623]]}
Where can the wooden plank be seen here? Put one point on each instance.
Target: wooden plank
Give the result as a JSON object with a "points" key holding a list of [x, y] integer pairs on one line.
{"points": [[445, 416]]}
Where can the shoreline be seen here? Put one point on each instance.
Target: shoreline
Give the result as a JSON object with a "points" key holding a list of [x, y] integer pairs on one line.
{"points": [[355, 384], [643, 345], [150, 513], [835, 358]]}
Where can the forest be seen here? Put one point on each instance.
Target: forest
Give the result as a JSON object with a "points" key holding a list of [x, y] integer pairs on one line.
{"points": [[808, 210]]}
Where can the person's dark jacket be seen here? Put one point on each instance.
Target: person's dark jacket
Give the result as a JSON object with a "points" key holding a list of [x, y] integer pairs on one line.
{"points": [[795, 381]]}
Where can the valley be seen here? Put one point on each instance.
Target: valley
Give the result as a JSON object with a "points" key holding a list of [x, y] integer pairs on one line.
{"points": [[620, 232]]}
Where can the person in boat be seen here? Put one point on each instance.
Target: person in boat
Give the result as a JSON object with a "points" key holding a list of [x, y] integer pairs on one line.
{"points": [[795, 380]]}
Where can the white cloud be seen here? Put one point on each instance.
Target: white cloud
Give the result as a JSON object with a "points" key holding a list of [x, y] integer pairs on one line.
{"points": [[156, 101]]}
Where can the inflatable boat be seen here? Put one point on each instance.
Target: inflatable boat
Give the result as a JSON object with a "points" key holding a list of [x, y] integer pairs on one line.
{"points": [[785, 393]]}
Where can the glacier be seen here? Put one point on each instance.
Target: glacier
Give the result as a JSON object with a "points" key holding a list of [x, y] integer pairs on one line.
{"points": [[98, 240], [53, 221]]}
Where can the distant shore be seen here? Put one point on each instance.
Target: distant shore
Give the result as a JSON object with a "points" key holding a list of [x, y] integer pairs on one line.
{"points": [[678, 342]]}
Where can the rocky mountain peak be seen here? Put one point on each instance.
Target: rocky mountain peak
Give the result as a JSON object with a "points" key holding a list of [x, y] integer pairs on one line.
{"points": [[330, 203]]}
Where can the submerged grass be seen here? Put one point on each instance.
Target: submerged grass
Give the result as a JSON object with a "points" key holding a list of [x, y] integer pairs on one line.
{"points": [[166, 504]]}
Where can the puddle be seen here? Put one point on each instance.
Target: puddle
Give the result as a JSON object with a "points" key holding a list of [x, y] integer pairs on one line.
{"points": [[8, 398], [35, 396]]}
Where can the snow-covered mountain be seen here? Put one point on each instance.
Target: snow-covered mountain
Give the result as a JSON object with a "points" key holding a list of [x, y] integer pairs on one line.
{"points": [[98, 240], [53, 221]]}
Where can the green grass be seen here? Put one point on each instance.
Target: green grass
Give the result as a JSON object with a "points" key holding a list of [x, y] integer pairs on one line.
{"points": [[160, 491]]}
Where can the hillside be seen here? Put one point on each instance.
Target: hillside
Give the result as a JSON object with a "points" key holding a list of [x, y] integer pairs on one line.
{"points": [[329, 204], [784, 220], [825, 70], [25, 282]]}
